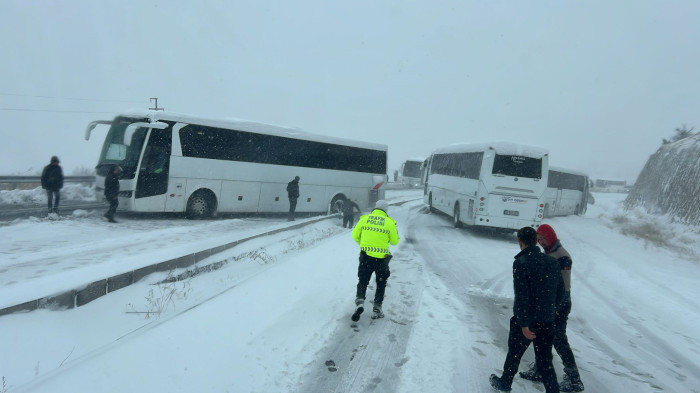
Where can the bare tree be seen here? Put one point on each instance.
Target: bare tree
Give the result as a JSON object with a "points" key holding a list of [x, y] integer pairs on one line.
{"points": [[681, 133]]}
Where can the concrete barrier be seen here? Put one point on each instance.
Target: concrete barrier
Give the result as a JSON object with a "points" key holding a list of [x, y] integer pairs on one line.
{"points": [[80, 296]]}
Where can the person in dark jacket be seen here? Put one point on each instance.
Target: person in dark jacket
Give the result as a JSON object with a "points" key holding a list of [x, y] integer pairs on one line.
{"points": [[52, 182], [112, 191], [293, 195], [547, 238], [539, 291], [349, 208]]}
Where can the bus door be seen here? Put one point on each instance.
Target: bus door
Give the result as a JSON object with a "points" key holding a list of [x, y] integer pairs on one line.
{"points": [[152, 183], [558, 206]]}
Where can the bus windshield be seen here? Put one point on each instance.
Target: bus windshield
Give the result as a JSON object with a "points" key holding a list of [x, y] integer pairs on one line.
{"points": [[517, 166], [114, 151], [412, 169]]}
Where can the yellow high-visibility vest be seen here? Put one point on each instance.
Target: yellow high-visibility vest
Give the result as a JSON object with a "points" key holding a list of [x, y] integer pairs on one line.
{"points": [[374, 232]]}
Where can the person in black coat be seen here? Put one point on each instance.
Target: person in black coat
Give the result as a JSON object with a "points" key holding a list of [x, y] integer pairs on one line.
{"points": [[547, 238], [52, 182], [112, 191], [539, 292], [293, 195], [349, 208]]}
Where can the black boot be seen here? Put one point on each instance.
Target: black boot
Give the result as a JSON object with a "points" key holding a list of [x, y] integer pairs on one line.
{"points": [[497, 384]]}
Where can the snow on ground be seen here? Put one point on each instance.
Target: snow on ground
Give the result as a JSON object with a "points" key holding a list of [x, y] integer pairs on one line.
{"points": [[70, 191], [275, 317]]}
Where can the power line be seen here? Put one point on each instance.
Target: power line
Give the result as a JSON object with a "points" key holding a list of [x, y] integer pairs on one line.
{"points": [[49, 110], [68, 98]]}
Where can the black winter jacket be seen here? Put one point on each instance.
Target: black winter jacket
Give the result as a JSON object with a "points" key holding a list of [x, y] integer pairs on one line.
{"points": [[52, 177], [538, 286], [111, 185], [293, 189]]}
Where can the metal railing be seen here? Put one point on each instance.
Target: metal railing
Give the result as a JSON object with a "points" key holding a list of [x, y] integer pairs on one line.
{"points": [[11, 182]]}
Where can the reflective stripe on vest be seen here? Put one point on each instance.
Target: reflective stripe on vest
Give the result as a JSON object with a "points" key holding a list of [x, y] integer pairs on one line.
{"points": [[375, 249]]}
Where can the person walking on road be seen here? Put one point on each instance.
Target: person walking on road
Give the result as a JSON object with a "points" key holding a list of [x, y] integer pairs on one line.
{"points": [[52, 182], [547, 238], [293, 195], [539, 289], [374, 232], [112, 191]]}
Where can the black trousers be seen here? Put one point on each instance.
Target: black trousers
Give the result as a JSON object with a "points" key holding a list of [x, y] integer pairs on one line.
{"points": [[51, 194], [518, 343], [113, 204], [561, 342], [380, 268], [292, 207], [348, 220]]}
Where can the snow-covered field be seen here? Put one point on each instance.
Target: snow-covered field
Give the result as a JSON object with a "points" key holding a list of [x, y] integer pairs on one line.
{"points": [[275, 316]]}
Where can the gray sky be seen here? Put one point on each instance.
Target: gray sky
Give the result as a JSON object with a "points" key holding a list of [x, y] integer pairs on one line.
{"points": [[598, 83]]}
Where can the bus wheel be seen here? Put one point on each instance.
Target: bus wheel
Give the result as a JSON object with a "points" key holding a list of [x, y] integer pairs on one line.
{"points": [[430, 203], [336, 204], [458, 223], [199, 206]]}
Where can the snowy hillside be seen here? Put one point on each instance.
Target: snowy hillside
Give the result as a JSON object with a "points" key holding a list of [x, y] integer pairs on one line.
{"points": [[670, 182]]}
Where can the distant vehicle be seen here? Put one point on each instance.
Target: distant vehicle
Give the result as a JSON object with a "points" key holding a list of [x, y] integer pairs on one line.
{"points": [[497, 185], [604, 185], [566, 194], [410, 173], [180, 163]]}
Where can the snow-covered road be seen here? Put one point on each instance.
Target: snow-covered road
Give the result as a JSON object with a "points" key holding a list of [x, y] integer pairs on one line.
{"points": [[275, 318]]}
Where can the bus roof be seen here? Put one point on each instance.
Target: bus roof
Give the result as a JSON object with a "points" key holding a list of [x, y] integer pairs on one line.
{"points": [[508, 148], [251, 126], [563, 170]]}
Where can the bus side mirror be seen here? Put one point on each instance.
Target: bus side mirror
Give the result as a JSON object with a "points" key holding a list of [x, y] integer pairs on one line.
{"points": [[92, 126], [131, 129]]}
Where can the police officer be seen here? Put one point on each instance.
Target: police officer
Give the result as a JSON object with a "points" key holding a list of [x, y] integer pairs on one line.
{"points": [[374, 232]]}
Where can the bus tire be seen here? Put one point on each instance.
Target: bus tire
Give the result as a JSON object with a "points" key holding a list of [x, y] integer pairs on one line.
{"points": [[336, 205], [457, 222], [430, 203], [200, 205]]}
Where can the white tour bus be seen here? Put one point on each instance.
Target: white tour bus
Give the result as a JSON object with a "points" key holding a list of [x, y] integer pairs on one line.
{"points": [[566, 193], [410, 173], [497, 185], [180, 163]]}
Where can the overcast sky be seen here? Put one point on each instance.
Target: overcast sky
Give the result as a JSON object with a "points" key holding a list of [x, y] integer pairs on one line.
{"points": [[598, 83]]}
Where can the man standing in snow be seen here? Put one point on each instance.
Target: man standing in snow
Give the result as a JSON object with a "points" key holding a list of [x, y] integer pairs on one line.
{"points": [[112, 191], [374, 232], [52, 182], [539, 289], [547, 238], [293, 195], [349, 208]]}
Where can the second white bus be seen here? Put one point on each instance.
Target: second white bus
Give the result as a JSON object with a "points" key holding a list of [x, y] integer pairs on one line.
{"points": [[182, 163], [410, 173], [566, 193], [496, 185]]}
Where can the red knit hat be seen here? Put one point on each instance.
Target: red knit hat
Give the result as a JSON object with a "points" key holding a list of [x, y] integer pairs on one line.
{"points": [[548, 233]]}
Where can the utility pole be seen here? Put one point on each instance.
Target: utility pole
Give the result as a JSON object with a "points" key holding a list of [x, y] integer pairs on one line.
{"points": [[156, 105]]}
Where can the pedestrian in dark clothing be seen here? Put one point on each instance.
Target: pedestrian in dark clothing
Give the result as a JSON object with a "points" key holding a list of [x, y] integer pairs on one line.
{"points": [[112, 191], [293, 195], [52, 182], [539, 290], [547, 238], [349, 208]]}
